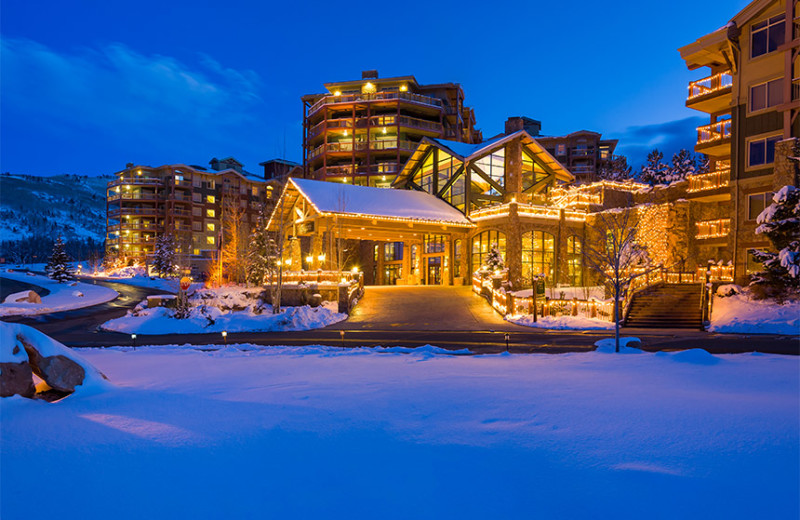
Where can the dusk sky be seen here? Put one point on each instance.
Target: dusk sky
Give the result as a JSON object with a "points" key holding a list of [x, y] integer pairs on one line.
{"points": [[88, 86]]}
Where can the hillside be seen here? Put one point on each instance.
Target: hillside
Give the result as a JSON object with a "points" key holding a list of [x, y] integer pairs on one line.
{"points": [[34, 210]]}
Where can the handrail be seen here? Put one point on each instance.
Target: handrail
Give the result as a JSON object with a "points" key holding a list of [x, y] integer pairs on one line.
{"points": [[711, 84], [709, 181], [378, 96], [714, 132]]}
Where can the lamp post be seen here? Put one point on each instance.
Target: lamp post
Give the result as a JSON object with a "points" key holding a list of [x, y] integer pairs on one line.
{"points": [[133, 339], [341, 335], [225, 336], [506, 341], [309, 259]]}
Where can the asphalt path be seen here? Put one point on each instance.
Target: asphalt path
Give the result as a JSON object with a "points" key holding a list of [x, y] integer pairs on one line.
{"points": [[9, 286], [486, 334]]}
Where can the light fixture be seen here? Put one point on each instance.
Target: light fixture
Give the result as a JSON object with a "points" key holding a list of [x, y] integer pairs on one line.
{"points": [[321, 258], [403, 87], [345, 132], [225, 336], [383, 130], [337, 93]]}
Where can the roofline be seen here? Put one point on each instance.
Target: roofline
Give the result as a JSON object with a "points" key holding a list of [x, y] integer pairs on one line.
{"points": [[206, 172], [376, 81]]}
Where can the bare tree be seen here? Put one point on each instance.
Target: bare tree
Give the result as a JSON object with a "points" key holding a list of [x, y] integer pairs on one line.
{"points": [[341, 207], [275, 246], [616, 257], [233, 253]]}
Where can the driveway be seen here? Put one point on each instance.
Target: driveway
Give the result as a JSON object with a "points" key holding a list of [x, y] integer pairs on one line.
{"points": [[426, 307]]}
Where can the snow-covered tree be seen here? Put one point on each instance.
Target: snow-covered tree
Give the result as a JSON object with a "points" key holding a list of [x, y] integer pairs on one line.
{"points": [[780, 223], [494, 260], [58, 267], [683, 164], [654, 170], [703, 163], [164, 255], [262, 252], [616, 169]]}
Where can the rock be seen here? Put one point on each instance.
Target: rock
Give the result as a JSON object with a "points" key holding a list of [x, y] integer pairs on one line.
{"points": [[16, 378], [77, 294], [23, 297], [59, 372]]}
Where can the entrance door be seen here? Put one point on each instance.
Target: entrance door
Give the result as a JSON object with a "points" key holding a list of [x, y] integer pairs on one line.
{"points": [[435, 270]]}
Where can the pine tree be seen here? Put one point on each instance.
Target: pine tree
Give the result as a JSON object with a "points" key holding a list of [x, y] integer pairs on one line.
{"points": [[616, 170], [494, 261], [164, 256], [654, 170], [780, 222], [58, 267], [683, 164], [261, 254]]}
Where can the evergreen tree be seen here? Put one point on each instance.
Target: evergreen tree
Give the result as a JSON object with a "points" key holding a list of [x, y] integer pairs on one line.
{"points": [[58, 267], [261, 254], [616, 169], [780, 222], [683, 164], [654, 170], [164, 255], [494, 261], [703, 163]]}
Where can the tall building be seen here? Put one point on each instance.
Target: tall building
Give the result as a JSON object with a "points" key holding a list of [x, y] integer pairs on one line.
{"points": [[752, 98], [583, 153], [189, 202], [363, 131]]}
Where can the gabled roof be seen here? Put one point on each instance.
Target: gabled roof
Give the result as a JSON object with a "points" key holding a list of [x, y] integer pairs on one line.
{"points": [[367, 202], [467, 152]]}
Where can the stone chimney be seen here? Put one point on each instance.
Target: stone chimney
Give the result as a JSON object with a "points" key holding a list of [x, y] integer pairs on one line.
{"points": [[369, 74], [517, 123]]}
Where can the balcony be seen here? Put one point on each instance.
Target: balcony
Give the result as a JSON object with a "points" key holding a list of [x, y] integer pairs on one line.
{"points": [[377, 97], [136, 181], [582, 152], [362, 146], [116, 210], [377, 122], [132, 196], [711, 94], [709, 229], [349, 169], [714, 139], [710, 186], [132, 227]]}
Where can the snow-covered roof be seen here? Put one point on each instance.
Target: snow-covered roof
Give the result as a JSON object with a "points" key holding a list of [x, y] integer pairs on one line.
{"points": [[330, 197]]}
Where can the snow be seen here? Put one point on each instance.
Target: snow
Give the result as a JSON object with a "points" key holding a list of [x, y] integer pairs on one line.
{"points": [[560, 322], [364, 200], [231, 309], [61, 298], [141, 280], [12, 336], [596, 292], [247, 431], [627, 345], [741, 314], [12, 298]]}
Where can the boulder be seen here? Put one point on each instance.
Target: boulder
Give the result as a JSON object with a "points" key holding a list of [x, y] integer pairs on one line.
{"points": [[59, 372], [23, 297], [16, 378]]}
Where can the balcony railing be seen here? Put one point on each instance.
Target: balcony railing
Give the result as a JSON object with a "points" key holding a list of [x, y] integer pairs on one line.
{"points": [[358, 146], [709, 181], [714, 132], [713, 228], [134, 181], [375, 169], [582, 153], [140, 227], [132, 196], [132, 211], [715, 83], [378, 96], [375, 121]]}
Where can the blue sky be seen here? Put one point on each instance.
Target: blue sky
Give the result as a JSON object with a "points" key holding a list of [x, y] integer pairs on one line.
{"points": [[88, 86]]}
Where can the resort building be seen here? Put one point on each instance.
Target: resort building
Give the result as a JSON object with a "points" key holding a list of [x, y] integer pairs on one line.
{"points": [[186, 201], [583, 153], [752, 98], [362, 131]]}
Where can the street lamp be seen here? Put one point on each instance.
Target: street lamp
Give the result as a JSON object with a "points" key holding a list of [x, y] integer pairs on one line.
{"points": [[309, 259], [133, 338], [341, 335], [225, 336]]}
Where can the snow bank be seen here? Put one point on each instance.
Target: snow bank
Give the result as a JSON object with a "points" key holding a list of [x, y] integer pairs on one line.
{"points": [[581, 293], [627, 345], [279, 433], [62, 296], [739, 313], [561, 322]]}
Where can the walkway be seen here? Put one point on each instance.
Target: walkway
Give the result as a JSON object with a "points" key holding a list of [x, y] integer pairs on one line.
{"points": [[453, 308]]}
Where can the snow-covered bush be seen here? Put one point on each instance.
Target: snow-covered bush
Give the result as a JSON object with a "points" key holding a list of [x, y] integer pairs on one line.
{"points": [[725, 291]]}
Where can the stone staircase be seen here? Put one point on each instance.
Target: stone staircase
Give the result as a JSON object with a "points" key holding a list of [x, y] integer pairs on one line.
{"points": [[668, 306]]}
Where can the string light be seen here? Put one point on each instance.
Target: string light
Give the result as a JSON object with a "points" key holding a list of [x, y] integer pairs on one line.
{"points": [[713, 228], [708, 181]]}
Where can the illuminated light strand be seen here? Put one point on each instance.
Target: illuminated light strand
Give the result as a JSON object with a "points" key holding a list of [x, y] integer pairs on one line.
{"points": [[713, 228], [708, 181]]}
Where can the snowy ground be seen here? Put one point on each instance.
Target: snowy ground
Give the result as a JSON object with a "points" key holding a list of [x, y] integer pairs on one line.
{"points": [[739, 313], [319, 432], [561, 322], [231, 309], [62, 297]]}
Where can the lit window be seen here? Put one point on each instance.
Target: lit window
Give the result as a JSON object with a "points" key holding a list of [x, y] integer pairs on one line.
{"points": [[762, 151], [756, 204], [210, 213], [210, 226], [210, 241], [766, 95], [255, 191], [538, 253], [561, 149], [211, 199], [767, 36]]}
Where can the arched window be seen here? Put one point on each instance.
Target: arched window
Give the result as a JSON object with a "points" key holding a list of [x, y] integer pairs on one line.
{"points": [[538, 254], [575, 261], [481, 244]]}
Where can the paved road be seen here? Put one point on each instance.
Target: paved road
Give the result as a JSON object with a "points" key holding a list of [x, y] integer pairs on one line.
{"points": [[8, 286], [451, 318]]}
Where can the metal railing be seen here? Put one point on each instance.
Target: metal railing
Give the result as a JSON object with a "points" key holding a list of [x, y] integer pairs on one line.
{"points": [[376, 169], [709, 181], [714, 132], [134, 180], [709, 85]]}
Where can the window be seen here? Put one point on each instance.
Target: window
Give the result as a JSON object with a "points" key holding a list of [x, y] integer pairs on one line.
{"points": [[375, 254], [481, 244], [197, 197], [494, 166], [767, 36], [457, 258], [197, 181], [269, 192], [433, 244], [762, 151], [210, 241], [211, 199], [766, 95], [561, 149], [197, 212], [414, 250], [197, 226], [392, 251], [255, 191], [756, 204], [210, 227], [210, 213], [538, 254], [574, 261]]}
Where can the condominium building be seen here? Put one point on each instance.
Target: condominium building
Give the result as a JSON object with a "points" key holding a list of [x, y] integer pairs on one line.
{"points": [[189, 202], [583, 153], [752, 98], [363, 131]]}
